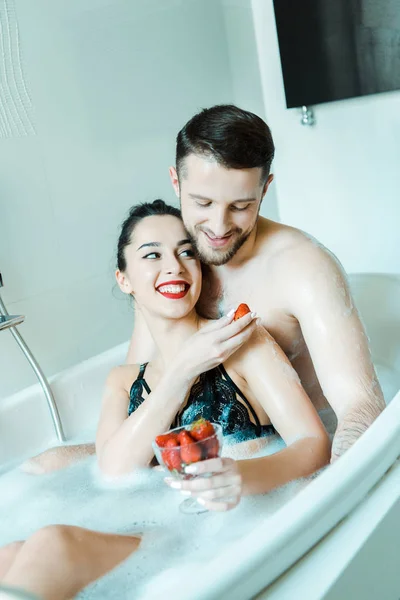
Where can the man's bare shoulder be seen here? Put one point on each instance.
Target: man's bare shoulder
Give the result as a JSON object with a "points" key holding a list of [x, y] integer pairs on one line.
{"points": [[293, 248]]}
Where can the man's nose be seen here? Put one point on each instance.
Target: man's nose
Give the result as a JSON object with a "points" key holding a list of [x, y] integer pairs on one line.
{"points": [[219, 223]]}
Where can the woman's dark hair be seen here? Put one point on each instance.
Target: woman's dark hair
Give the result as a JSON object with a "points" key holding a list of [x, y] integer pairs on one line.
{"points": [[136, 214], [235, 138]]}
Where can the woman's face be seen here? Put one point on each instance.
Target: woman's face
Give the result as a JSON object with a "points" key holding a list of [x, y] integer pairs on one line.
{"points": [[162, 271]]}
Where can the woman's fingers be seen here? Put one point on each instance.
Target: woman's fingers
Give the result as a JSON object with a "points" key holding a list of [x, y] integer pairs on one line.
{"points": [[220, 506], [229, 491], [214, 343], [218, 486], [231, 344], [212, 465], [203, 484], [227, 327], [233, 328], [219, 323]]}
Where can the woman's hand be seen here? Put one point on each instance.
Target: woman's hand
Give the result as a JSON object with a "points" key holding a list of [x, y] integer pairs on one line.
{"points": [[218, 487], [213, 344]]}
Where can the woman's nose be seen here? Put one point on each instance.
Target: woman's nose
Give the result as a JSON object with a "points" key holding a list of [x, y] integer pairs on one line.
{"points": [[174, 266]]}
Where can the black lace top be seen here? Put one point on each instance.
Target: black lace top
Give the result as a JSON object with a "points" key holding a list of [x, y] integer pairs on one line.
{"points": [[215, 398]]}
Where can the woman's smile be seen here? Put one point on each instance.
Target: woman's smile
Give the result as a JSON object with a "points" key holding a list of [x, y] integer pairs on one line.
{"points": [[174, 290]]}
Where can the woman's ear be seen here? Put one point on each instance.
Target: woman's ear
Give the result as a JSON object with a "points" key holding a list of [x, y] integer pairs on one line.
{"points": [[123, 282]]}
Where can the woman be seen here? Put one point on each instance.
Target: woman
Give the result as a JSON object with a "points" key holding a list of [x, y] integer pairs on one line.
{"points": [[229, 371]]}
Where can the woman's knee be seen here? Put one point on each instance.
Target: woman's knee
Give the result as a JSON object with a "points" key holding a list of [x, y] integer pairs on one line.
{"points": [[7, 555], [58, 539], [10, 549]]}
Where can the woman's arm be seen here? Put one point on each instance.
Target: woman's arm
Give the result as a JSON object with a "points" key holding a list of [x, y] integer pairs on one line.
{"points": [[232, 479], [124, 443], [276, 386], [299, 459]]}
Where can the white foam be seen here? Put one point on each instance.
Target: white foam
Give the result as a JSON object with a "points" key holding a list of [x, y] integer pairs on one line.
{"points": [[79, 495], [174, 544]]}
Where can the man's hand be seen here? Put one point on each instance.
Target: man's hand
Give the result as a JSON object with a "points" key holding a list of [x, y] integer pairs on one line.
{"points": [[352, 426]]}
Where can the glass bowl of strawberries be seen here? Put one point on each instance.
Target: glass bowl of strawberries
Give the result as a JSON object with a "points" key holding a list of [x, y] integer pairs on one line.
{"points": [[183, 446]]}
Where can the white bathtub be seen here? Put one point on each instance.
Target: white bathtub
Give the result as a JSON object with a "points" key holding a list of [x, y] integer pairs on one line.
{"points": [[367, 478]]}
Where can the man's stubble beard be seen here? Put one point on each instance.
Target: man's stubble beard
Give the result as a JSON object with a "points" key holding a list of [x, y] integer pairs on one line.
{"points": [[215, 257]]}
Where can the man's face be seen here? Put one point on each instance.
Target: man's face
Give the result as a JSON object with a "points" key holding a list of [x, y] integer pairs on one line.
{"points": [[219, 206]]}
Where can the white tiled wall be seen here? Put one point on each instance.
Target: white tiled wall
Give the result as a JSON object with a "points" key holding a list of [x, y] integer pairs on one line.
{"points": [[339, 180], [111, 83]]}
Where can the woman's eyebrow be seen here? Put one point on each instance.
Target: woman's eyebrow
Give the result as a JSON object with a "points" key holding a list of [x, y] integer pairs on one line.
{"points": [[156, 244]]}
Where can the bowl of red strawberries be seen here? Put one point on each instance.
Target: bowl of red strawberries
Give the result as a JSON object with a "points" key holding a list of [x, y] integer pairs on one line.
{"points": [[183, 446]]}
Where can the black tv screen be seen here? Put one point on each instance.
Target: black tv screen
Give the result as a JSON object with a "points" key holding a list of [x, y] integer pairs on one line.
{"points": [[336, 49]]}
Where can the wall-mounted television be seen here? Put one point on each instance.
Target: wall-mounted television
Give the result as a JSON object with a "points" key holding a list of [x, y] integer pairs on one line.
{"points": [[336, 49]]}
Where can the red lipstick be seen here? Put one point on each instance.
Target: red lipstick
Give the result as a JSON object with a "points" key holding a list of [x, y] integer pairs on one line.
{"points": [[173, 295]]}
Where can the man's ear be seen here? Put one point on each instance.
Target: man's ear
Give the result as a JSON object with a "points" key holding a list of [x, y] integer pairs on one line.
{"points": [[174, 180], [266, 185], [123, 282]]}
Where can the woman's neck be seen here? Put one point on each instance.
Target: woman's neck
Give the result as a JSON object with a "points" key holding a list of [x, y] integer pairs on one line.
{"points": [[170, 334]]}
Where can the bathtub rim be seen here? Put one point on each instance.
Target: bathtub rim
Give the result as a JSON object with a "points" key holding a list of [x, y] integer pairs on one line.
{"points": [[345, 542], [250, 565]]}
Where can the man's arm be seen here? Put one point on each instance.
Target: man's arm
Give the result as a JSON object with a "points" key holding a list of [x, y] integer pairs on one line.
{"points": [[338, 344], [142, 346], [276, 386]]}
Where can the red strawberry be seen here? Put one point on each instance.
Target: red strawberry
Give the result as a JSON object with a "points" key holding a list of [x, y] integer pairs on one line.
{"points": [[202, 429], [172, 460], [171, 455], [210, 448], [185, 438], [161, 440], [191, 453], [241, 310], [190, 450]]}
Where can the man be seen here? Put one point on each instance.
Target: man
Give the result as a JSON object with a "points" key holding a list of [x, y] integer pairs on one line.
{"points": [[297, 287]]}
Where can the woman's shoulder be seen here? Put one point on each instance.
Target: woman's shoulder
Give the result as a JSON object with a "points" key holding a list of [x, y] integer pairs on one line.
{"points": [[123, 376]]}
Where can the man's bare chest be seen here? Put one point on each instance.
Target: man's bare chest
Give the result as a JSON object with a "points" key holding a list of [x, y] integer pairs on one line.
{"points": [[217, 298]]}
